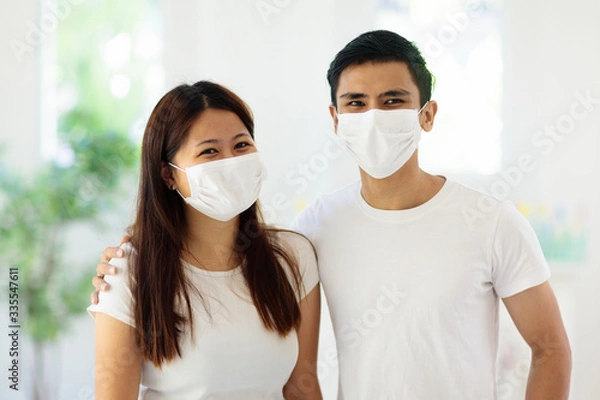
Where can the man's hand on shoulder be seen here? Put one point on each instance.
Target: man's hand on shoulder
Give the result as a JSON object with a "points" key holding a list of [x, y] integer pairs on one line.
{"points": [[105, 268]]}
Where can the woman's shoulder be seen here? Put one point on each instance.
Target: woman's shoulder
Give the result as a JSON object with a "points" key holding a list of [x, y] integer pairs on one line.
{"points": [[305, 258], [123, 262], [293, 240]]}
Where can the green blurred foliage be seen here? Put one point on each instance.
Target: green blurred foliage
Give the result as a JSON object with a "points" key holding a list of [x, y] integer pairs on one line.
{"points": [[36, 212]]}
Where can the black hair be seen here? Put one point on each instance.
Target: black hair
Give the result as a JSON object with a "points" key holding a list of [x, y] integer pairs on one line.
{"points": [[382, 46]]}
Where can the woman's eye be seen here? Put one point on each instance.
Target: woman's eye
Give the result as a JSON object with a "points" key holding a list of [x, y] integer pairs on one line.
{"points": [[208, 151], [242, 145]]}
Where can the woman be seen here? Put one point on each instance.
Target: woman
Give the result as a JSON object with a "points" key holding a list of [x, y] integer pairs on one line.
{"points": [[210, 303]]}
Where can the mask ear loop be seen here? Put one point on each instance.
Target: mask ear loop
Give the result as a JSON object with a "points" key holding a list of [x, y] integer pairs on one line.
{"points": [[181, 169], [419, 112], [176, 167]]}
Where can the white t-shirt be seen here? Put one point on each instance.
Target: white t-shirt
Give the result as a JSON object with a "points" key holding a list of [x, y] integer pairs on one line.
{"points": [[233, 356], [413, 294]]}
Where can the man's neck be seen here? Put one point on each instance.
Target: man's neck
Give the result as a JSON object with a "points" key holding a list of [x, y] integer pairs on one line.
{"points": [[409, 187]]}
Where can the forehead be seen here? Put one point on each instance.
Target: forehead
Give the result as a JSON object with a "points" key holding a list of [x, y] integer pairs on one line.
{"points": [[372, 78], [216, 124]]}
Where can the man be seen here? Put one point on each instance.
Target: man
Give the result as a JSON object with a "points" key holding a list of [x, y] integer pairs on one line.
{"points": [[413, 265]]}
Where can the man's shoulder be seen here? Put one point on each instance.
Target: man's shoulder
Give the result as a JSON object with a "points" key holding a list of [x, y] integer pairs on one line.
{"points": [[339, 198], [465, 195], [477, 206], [326, 206]]}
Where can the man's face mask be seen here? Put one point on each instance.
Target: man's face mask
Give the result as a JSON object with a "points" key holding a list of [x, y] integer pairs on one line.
{"points": [[381, 141]]}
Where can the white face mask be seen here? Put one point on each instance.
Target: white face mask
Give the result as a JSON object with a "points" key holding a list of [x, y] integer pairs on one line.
{"points": [[381, 141], [224, 188]]}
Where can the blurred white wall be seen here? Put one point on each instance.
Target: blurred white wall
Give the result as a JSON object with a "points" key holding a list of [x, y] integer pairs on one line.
{"points": [[275, 55], [552, 113], [20, 85]]}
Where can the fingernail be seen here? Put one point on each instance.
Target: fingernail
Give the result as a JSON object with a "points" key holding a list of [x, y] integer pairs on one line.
{"points": [[112, 270], [104, 287], [120, 252]]}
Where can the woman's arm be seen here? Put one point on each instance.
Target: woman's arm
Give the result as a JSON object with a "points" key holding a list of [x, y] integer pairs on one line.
{"points": [[303, 382], [118, 360]]}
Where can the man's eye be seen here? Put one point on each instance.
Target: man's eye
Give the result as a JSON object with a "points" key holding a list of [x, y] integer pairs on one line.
{"points": [[208, 151], [356, 103], [394, 101]]}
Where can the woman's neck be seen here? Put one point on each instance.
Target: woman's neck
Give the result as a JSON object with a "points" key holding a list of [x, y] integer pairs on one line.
{"points": [[210, 244]]}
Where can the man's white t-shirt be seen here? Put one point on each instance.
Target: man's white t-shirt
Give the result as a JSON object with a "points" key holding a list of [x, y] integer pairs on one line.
{"points": [[413, 294], [233, 356]]}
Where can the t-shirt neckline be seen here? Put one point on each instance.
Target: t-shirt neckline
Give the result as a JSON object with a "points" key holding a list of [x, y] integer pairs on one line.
{"points": [[234, 271], [404, 215]]}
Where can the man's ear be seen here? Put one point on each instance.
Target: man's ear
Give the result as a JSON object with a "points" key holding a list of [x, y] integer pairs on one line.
{"points": [[428, 115], [166, 172], [334, 117]]}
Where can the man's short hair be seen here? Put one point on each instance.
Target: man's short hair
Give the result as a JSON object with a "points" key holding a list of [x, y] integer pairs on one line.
{"points": [[382, 46]]}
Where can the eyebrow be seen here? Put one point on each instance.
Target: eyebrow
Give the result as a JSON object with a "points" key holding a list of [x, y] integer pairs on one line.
{"points": [[239, 135], [389, 93], [352, 95], [213, 141], [395, 93]]}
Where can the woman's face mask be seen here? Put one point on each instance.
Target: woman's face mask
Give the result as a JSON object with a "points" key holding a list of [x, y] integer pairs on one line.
{"points": [[224, 188]]}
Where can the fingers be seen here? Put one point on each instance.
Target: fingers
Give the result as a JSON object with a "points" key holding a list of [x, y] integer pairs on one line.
{"points": [[99, 283], [94, 297], [112, 252], [98, 280], [105, 268]]}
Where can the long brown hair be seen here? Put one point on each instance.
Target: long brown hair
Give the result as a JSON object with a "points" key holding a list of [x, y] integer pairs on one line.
{"points": [[161, 292]]}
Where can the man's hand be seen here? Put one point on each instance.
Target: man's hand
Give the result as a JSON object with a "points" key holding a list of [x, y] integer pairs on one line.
{"points": [[104, 268]]}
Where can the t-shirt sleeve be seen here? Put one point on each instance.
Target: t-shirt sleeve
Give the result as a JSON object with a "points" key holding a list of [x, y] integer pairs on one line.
{"points": [[518, 262], [307, 262], [306, 221], [117, 301]]}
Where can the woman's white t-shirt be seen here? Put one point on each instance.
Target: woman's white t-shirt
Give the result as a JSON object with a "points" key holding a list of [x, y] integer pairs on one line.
{"points": [[231, 355]]}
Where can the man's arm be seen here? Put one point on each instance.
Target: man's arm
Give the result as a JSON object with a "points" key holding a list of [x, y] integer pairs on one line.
{"points": [[536, 315]]}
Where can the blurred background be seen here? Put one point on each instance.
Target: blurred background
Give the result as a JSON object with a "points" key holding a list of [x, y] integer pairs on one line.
{"points": [[519, 117]]}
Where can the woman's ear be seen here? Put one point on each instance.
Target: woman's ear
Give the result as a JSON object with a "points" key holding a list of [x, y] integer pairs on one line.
{"points": [[166, 173]]}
